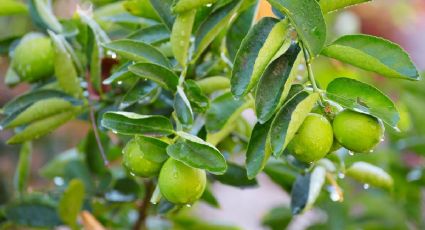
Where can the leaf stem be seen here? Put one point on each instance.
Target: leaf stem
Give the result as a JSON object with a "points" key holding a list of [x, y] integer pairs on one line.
{"points": [[96, 133], [307, 58]]}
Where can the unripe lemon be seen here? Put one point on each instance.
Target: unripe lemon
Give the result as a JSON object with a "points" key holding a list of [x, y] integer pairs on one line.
{"points": [[181, 184], [33, 58], [357, 132], [135, 161], [313, 139]]}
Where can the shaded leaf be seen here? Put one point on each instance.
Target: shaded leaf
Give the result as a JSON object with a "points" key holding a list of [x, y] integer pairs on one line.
{"points": [[209, 198], [281, 174], [198, 101], [277, 218], [23, 169], [182, 107], [157, 73], [142, 92], [152, 34], [42, 13], [256, 153], [236, 175], [163, 9]]}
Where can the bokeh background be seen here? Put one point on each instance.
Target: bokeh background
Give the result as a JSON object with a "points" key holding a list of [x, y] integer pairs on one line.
{"points": [[402, 153]]}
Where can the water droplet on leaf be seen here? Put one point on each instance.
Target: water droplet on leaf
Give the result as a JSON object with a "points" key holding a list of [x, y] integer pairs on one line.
{"points": [[366, 186]]}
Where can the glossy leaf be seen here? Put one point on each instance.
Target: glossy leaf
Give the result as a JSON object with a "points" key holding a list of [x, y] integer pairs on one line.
{"points": [[307, 18], [163, 8], [288, 119], [364, 98], [370, 174], [186, 5], [151, 35], [223, 110], [197, 153], [71, 202], [138, 51], [255, 52], [198, 101], [42, 12], [129, 123], [306, 190], [23, 169], [274, 80], [332, 5], [142, 92], [282, 174], [182, 108], [120, 74], [236, 176], [157, 73], [153, 149], [278, 218], [212, 26], [256, 153], [9, 7], [374, 54], [180, 36]]}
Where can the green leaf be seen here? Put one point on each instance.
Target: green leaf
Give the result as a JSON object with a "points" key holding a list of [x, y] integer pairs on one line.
{"points": [[370, 174], [120, 74], [332, 5], [151, 35], [277, 218], [142, 92], [212, 84], [34, 211], [138, 51], [11, 78], [256, 153], [163, 8], [41, 127], [288, 119], [65, 71], [236, 176], [42, 13], [223, 110], [359, 96], [71, 202], [198, 101], [307, 18], [124, 190], [129, 123], [274, 80], [180, 36], [239, 29], [197, 153], [306, 190], [95, 55], [182, 108], [9, 7], [157, 73], [374, 54], [281, 174], [186, 5], [213, 25], [181, 222], [209, 197], [56, 166], [22, 172], [255, 52], [141, 8]]}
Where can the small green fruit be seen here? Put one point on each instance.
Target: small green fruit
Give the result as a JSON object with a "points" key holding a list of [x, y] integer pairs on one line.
{"points": [[135, 161], [357, 132], [313, 139], [181, 184], [33, 58]]}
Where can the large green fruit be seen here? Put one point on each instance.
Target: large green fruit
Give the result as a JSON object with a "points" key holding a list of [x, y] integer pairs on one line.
{"points": [[181, 184], [357, 132], [33, 58], [135, 161], [313, 139]]}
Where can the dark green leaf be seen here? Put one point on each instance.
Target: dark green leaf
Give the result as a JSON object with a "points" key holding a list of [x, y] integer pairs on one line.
{"points": [[255, 52], [163, 8], [124, 190], [142, 92], [332, 5], [92, 154], [374, 54], [42, 13], [307, 18], [78, 169], [133, 124], [198, 101], [152, 34], [275, 79], [362, 97], [182, 108], [20, 180], [256, 153], [138, 51], [95, 55], [370, 174], [197, 153], [182, 222], [236, 176], [157, 73], [71, 202], [288, 119], [278, 218], [180, 36], [120, 74], [209, 198], [281, 174]]}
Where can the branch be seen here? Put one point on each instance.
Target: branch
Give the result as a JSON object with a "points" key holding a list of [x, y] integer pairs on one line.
{"points": [[140, 223]]}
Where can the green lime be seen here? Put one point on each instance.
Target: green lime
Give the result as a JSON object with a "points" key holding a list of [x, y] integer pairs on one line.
{"points": [[135, 161]]}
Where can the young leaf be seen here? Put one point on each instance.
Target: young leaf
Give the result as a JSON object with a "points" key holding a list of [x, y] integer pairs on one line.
{"points": [[255, 52], [374, 54], [332, 5], [151, 35], [20, 180], [273, 82], [180, 36], [197, 153], [359, 96], [223, 110], [163, 9], [157, 73], [306, 190], [256, 153], [370, 174], [236, 176], [71, 202], [186, 5], [311, 29], [278, 218], [213, 25], [10, 7], [129, 123], [212, 84], [138, 51], [288, 119], [182, 108]]}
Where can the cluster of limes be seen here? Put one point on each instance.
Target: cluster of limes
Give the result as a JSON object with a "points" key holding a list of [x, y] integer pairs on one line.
{"points": [[326, 130]]}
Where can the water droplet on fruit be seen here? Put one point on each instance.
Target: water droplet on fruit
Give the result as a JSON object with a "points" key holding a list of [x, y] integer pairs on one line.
{"points": [[366, 186], [341, 175]]}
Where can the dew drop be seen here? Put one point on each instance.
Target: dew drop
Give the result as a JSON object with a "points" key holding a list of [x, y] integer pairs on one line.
{"points": [[334, 194], [371, 151], [366, 186], [350, 153], [382, 140], [341, 175], [188, 205], [114, 131], [209, 5], [119, 82], [58, 181], [131, 173]]}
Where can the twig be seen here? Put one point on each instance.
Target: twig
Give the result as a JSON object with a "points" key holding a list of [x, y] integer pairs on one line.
{"points": [[140, 223], [96, 134]]}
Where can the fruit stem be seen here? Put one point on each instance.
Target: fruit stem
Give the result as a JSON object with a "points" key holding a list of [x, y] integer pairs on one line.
{"points": [[307, 58]]}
